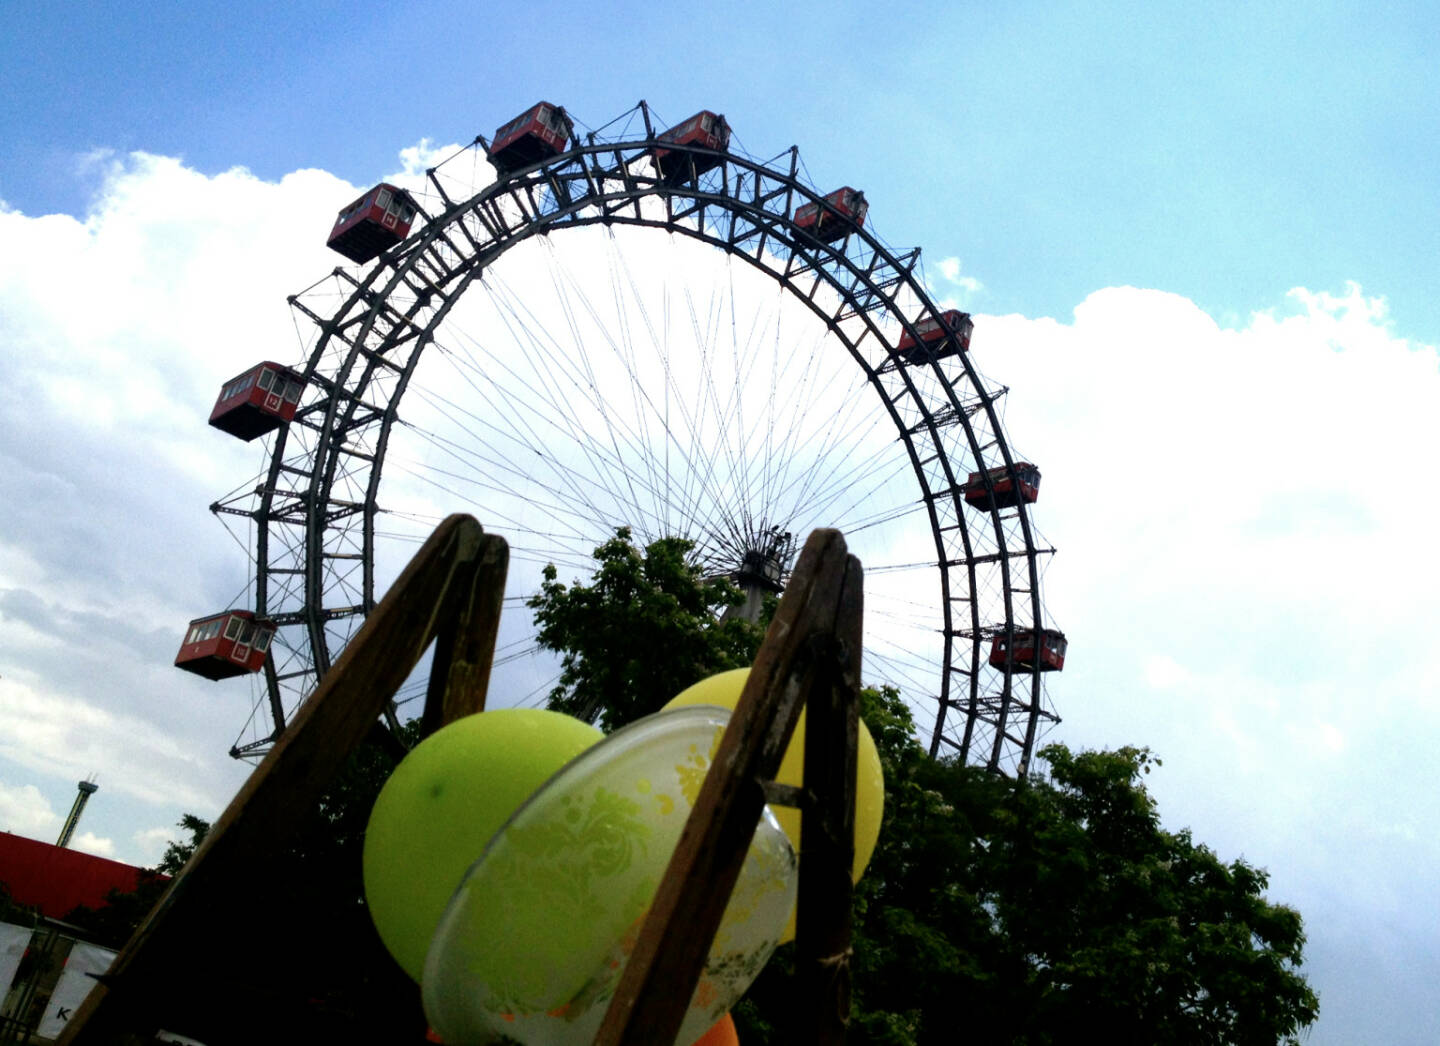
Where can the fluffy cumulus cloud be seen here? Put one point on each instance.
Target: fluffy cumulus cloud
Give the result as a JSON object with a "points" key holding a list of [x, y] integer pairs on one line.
{"points": [[91, 843], [950, 288], [150, 843], [1246, 584], [24, 810], [1236, 511], [950, 271], [1239, 512], [119, 327]]}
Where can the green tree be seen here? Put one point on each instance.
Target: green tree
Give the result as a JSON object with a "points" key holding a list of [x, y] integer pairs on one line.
{"points": [[12, 911], [177, 853], [303, 948], [358, 993], [643, 629], [1037, 911], [112, 923]]}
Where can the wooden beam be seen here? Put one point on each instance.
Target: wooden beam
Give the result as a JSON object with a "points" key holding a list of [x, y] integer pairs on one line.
{"points": [[796, 657], [827, 836], [458, 573], [465, 644]]}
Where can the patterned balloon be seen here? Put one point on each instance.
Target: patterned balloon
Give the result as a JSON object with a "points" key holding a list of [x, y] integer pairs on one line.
{"points": [[533, 944], [442, 804], [723, 691]]}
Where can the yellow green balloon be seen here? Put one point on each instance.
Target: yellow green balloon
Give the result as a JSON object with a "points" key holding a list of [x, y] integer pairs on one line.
{"points": [[441, 806], [535, 941], [724, 690]]}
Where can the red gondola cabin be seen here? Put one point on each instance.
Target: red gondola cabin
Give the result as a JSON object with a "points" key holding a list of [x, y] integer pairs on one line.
{"points": [[540, 132], [705, 129], [373, 224], [1046, 656], [261, 399], [224, 645], [1008, 493], [833, 218], [940, 336]]}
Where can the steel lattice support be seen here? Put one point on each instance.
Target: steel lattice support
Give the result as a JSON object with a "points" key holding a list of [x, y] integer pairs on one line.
{"points": [[315, 510]]}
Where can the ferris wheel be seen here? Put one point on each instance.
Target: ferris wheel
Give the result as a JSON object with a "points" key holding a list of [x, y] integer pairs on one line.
{"points": [[643, 329]]}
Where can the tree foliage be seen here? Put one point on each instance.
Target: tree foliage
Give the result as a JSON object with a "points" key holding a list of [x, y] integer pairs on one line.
{"points": [[1044, 910], [644, 628], [177, 853], [300, 946], [1057, 908], [112, 923], [12, 911], [1037, 911]]}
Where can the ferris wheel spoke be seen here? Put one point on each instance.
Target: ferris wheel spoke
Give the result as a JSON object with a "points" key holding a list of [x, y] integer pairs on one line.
{"points": [[861, 489], [628, 444], [564, 428], [687, 452], [535, 445], [817, 446], [492, 466], [660, 466], [720, 376], [498, 465], [643, 409], [610, 424]]}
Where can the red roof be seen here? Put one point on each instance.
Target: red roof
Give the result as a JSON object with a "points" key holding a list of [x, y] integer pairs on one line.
{"points": [[56, 880]]}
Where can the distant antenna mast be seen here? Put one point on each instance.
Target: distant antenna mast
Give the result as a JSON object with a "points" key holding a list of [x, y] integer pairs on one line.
{"points": [[87, 789]]}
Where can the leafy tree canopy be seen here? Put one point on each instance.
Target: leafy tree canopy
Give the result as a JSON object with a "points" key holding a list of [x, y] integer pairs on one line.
{"points": [[302, 947], [12, 911], [1057, 908], [1050, 909], [643, 629], [112, 923]]}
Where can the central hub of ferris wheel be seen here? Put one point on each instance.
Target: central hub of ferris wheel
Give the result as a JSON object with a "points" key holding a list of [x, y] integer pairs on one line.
{"points": [[953, 558], [764, 556]]}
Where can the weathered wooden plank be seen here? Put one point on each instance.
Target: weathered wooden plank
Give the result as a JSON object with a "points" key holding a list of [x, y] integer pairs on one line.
{"points": [[193, 916], [799, 646], [465, 644], [827, 832]]}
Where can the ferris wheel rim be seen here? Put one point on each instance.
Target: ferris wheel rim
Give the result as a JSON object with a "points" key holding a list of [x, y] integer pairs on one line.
{"points": [[821, 262]]}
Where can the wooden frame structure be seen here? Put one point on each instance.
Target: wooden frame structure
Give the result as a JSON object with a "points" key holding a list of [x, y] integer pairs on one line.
{"points": [[451, 594]]}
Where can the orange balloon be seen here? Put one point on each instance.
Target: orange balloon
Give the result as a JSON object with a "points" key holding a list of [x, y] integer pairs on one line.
{"points": [[722, 1033]]}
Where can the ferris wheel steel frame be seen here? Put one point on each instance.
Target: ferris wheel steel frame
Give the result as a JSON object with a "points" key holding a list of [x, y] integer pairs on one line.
{"points": [[323, 478]]}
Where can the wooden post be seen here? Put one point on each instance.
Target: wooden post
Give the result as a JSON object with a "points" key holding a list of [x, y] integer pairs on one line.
{"points": [[465, 643], [452, 587], [827, 835], [451, 592], [797, 659]]}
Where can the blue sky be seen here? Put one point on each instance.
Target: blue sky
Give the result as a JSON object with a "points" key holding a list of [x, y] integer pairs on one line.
{"points": [[1199, 243], [1224, 152]]}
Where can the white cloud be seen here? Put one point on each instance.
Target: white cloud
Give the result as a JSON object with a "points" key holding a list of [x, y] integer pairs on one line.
{"points": [[90, 843], [951, 273], [1164, 673], [1239, 510], [1243, 573], [966, 286], [151, 843], [75, 734], [24, 811], [1320, 737]]}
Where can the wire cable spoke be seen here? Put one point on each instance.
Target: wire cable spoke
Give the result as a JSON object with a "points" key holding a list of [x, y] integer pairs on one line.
{"points": [[721, 376]]}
